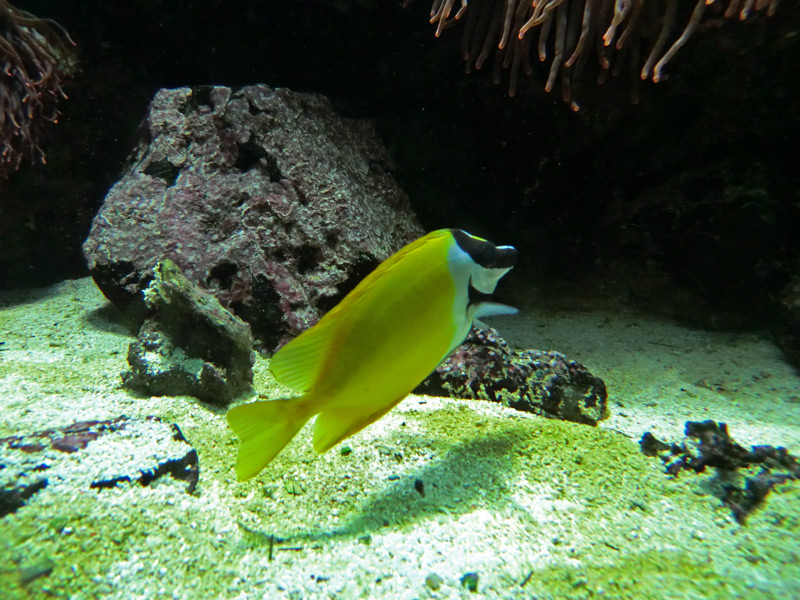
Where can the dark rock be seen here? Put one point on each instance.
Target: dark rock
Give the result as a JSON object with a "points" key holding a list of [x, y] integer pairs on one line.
{"points": [[708, 444], [264, 197], [786, 321], [652, 446], [189, 344], [433, 581], [470, 581], [545, 383], [93, 455], [670, 255]]}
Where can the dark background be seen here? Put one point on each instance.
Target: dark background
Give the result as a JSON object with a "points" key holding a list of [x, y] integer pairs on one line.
{"points": [[686, 203]]}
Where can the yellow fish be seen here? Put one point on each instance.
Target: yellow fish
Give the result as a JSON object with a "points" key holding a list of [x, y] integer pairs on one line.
{"points": [[374, 347]]}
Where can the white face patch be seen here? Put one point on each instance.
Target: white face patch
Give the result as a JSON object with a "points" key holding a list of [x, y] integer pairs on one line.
{"points": [[474, 283], [461, 265], [485, 280]]}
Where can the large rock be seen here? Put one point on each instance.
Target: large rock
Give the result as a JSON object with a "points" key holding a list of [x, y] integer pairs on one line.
{"points": [[786, 320], [264, 197]]}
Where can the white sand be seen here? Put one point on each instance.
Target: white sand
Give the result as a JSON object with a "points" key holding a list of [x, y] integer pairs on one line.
{"points": [[537, 508]]}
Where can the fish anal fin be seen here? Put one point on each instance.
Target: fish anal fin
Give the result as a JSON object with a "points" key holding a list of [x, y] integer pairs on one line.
{"points": [[264, 428], [333, 426]]}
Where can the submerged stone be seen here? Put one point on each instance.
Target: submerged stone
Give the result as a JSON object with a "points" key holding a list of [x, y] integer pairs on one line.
{"points": [[189, 344], [266, 198], [708, 444], [93, 455], [542, 382]]}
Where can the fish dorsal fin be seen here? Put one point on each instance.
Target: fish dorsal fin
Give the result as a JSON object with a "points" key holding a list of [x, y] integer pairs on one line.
{"points": [[299, 363]]}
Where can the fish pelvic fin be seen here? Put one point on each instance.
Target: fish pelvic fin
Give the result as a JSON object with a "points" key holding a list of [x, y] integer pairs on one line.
{"points": [[493, 309], [264, 428]]}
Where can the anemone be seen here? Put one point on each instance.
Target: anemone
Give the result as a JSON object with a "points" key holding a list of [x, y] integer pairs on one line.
{"points": [[639, 33], [34, 58]]}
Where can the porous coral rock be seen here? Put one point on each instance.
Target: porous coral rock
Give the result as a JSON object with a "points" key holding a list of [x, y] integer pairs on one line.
{"points": [[189, 344], [543, 382], [264, 197]]}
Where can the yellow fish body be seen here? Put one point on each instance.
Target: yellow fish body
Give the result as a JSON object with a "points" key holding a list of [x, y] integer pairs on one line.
{"points": [[372, 349]]}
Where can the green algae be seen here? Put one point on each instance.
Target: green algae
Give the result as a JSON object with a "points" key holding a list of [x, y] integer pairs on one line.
{"points": [[568, 510], [644, 576]]}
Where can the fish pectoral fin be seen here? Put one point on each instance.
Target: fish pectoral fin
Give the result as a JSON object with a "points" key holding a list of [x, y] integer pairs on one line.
{"points": [[264, 428], [333, 426]]}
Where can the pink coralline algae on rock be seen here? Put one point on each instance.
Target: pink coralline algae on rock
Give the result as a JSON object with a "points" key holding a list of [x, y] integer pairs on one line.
{"points": [[545, 383], [264, 197]]}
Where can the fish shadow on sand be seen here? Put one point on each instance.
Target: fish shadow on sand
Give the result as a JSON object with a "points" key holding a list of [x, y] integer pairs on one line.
{"points": [[472, 474]]}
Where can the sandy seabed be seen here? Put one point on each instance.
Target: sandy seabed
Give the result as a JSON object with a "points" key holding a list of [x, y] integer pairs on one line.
{"points": [[436, 490]]}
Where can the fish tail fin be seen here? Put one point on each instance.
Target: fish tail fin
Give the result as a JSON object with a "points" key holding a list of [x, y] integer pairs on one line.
{"points": [[264, 428]]}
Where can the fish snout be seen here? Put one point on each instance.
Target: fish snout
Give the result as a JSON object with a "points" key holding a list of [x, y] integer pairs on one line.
{"points": [[505, 257]]}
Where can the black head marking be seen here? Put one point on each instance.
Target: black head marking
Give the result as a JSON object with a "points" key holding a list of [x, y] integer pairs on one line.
{"points": [[485, 253], [475, 296]]}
